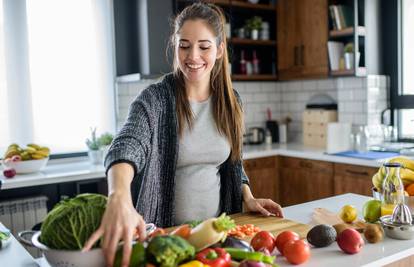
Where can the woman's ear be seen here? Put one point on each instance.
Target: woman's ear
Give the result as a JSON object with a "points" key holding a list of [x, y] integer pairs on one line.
{"points": [[220, 50]]}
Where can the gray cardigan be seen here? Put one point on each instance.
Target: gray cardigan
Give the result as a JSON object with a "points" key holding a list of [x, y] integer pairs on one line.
{"points": [[149, 142]]}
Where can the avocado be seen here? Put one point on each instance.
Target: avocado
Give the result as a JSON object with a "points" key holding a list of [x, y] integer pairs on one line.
{"points": [[321, 235]]}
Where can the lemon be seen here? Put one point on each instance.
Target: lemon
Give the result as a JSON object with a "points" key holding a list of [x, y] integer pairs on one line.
{"points": [[348, 213]]}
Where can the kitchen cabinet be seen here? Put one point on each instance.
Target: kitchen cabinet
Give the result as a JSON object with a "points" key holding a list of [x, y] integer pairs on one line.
{"points": [[353, 179], [303, 27], [264, 177], [303, 180]]}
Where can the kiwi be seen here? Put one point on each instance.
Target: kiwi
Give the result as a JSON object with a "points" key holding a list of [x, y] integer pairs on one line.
{"points": [[321, 235], [373, 233]]}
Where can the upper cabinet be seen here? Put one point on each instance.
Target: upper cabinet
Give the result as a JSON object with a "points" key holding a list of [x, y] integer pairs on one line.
{"points": [[302, 30]]}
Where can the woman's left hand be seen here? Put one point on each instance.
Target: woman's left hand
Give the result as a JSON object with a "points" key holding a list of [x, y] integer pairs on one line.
{"points": [[265, 206]]}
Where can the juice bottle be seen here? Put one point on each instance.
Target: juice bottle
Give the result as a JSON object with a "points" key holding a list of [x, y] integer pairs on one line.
{"points": [[392, 189]]}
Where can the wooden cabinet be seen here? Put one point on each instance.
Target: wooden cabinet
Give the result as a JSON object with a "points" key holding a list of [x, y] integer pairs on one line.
{"points": [[353, 179], [302, 30], [303, 180], [264, 177]]}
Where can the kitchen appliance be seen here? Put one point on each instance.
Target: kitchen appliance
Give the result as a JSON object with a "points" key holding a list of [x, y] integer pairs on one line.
{"points": [[256, 135]]}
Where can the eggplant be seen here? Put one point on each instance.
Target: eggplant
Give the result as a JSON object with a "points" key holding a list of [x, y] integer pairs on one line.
{"points": [[250, 263], [232, 242]]}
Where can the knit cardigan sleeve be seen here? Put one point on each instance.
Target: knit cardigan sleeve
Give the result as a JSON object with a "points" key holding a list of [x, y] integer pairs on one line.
{"points": [[133, 142]]}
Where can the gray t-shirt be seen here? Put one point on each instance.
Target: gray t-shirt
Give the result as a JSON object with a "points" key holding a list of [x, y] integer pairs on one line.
{"points": [[201, 151]]}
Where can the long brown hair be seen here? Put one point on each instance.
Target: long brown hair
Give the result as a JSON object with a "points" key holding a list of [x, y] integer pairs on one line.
{"points": [[227, 112]]}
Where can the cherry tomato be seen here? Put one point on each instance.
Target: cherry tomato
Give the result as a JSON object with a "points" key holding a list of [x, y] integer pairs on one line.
{"points": [[284, 237], [296, 251], [183, 231], [263, 240]]}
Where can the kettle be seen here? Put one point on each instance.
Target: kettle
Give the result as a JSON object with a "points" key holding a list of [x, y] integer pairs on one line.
{"points": [[256, 135]]}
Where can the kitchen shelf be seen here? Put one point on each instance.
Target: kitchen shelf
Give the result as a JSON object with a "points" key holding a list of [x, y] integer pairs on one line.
{"points": [[244, 41], [347, 32], [361, 71], [254, 77], [252, 6]]}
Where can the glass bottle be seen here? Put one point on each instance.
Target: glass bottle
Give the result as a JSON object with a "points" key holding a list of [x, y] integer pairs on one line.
{"points": [[392, 188], [243, 64]]}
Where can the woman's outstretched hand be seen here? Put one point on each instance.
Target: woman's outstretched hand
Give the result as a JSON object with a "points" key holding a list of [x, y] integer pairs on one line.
{"points": [[264, 206], [120, 222]]}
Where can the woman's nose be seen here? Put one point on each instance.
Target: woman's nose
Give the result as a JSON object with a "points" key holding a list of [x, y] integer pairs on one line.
{"points": [[193, 53]]}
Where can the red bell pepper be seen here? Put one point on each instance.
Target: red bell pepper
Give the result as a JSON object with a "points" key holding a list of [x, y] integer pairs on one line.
{"points": [[214, 257]]}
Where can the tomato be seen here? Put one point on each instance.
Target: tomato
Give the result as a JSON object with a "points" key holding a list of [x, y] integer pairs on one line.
{"points": [[183, 231], [284, 237], [296, 251], [263, 240]]}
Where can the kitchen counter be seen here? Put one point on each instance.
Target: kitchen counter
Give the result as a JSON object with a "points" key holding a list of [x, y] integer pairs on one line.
{"points": [[379, 254], [58, 171]]}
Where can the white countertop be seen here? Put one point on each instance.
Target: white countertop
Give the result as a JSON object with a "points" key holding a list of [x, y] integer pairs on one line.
{"points": [[58, 171], [378, 254]]}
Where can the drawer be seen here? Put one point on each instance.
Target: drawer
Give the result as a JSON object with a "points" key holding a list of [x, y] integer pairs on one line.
{"points": [[260, 163], [315, 127], [354, 170], [311, 165], [314, 140]]}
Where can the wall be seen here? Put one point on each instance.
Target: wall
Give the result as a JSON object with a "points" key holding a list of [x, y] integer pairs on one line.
{"points": [[360, 99]]}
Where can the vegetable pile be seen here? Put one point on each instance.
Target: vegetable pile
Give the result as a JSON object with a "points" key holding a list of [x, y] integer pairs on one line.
{"points": [[72, 221]]}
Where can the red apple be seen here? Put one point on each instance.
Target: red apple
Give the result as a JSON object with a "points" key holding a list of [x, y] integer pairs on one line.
{"points": [[9, 173], [350, 241]]}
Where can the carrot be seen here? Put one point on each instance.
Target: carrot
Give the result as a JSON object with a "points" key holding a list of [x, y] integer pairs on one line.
{"points": [[183, 231]]}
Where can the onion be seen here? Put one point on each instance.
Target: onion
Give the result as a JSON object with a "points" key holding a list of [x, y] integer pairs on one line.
{"points": [[250, 263]]}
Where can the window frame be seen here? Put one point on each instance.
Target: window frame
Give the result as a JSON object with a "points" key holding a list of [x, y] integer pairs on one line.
{"points": [[397, 100]]}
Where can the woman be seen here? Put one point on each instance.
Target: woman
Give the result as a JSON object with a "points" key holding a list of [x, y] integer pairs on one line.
{"points": [[182, 142]]}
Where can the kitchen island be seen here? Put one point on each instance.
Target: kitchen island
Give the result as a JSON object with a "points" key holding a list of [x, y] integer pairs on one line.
{"points": [[389, 252]]}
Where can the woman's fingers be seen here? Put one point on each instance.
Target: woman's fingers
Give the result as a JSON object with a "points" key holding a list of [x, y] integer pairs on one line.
{"points": [[273, 207], [111, 240], [127, 247], [262, 210], [92, 240], [142, 232]]}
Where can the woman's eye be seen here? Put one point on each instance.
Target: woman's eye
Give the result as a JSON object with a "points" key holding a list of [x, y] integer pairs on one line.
{"points": [[205, 48], [184, 47]]}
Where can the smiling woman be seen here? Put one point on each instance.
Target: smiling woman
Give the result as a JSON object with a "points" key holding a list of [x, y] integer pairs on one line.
{"points": [[60, 75]]}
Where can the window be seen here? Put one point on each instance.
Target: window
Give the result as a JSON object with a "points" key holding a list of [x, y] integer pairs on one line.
{"points": [[65, 71], [402, 78]]}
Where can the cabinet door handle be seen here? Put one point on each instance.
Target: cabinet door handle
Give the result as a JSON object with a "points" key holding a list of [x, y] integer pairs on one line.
{"points": [[302, 55], [364, 173]]}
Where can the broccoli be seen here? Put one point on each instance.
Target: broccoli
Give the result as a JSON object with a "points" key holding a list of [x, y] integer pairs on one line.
{"points": [[169, 251]]}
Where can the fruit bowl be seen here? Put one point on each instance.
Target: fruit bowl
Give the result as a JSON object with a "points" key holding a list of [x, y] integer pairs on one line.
{"points": [[26, 166]]}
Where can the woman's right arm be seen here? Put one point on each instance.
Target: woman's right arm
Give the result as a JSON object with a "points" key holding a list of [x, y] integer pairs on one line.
{"points": [[120, 220]]}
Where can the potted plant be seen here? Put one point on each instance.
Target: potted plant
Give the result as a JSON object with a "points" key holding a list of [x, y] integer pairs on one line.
{"points": [[254, 25], [105, 141], [95, 153], [349, 56]]}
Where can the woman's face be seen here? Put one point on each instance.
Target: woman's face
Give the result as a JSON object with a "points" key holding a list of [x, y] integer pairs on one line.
{"points": [[197, 51]]}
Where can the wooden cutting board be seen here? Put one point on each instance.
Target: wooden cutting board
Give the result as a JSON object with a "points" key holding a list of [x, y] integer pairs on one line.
{"points": [[272, 224], [324, 216]]}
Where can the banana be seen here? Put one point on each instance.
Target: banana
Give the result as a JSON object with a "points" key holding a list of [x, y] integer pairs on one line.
{"points": [[10, 153], [37, 155], [30, 150], [25, 155], [44, 149], [37, 147], [41, 153], [377, 180], [406, 162], [407, 174]]}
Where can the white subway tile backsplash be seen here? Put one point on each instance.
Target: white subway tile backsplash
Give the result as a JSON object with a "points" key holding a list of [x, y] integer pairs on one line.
{"points": [[360, 100]]}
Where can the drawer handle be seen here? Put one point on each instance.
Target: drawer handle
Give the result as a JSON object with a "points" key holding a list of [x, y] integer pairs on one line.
{"points": [[357, 172]]}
